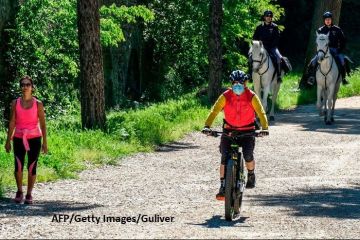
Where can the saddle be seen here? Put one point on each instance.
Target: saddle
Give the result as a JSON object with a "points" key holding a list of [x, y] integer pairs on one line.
{"points": [[285, 64], [348, 62]]}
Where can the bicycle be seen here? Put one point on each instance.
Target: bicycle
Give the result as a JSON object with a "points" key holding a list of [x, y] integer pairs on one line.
{"points": [[235, 177]]}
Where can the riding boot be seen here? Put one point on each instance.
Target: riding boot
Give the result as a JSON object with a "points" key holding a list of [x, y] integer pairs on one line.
{"points": [[347, 67], [311, 70], [343, 75]]}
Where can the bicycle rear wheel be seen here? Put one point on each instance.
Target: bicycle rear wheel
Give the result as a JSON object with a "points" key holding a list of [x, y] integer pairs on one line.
{"points": [[230, 185]]}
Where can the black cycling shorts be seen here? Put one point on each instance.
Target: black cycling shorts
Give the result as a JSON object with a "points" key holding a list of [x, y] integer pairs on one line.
{"points": [[247, 143], [33, 154]]}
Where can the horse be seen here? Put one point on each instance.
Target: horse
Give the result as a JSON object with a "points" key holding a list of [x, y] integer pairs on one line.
{"points": [[264, 75], [328, 79]]}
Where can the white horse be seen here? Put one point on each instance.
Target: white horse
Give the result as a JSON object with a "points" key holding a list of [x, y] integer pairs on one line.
{"points": [[328, 79], [264, 75]]}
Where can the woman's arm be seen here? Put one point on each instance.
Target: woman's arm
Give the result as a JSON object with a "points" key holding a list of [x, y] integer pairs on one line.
{"points": [[11, 126], [41, 115]]}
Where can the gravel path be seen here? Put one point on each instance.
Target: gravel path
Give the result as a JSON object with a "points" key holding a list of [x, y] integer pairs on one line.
{"points": [[308, 187]]}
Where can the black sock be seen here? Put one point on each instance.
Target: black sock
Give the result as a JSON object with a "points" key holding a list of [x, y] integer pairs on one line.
{"points": [[251, 172]]}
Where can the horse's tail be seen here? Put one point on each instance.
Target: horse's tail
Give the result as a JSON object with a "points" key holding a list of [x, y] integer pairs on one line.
{"points": [[347, 58], [348, 61], [286, 65]]}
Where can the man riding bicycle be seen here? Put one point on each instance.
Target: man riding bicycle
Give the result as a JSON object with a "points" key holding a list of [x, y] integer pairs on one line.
{"points": [[239, 105]]}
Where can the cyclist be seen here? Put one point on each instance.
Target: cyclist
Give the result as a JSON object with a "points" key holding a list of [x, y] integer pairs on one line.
{"points": [[239, 105], [26, 128], [268, 32], [337, 43]]}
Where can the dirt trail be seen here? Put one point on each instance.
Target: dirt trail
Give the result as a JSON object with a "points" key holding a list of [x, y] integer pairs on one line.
{"points": [[308, 187]]}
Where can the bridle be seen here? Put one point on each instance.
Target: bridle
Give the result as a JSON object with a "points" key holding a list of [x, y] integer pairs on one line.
{"points": [[261, 62]]}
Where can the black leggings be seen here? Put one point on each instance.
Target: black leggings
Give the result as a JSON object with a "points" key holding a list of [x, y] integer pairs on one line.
{"points": [[247, 143], [33, 154]]}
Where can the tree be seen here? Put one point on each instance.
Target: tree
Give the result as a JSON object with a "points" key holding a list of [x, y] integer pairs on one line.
{"points": [[321, 6], [91, 65], [215, 50]]}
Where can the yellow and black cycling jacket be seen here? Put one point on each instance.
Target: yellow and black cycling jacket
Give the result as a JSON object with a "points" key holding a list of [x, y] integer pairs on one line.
{"points": [[239, 111]]}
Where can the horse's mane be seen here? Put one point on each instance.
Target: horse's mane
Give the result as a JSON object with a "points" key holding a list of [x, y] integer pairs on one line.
{"points": [[322, 37]]}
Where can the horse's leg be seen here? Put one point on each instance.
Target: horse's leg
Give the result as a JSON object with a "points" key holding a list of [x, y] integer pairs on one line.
{"points": [[330, 101], [266, 91], [319, 102], [275, 91], [337, 86], [328, 104], [257, 84]]}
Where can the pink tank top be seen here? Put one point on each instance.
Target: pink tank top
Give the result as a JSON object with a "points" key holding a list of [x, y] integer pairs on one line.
{"points": [[27, 121]]}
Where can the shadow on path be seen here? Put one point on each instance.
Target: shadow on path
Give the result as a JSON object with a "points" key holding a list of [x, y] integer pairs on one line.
{"points": [[42, 208], [347, 121], [175, 146], [218, 221], [341, 203]]}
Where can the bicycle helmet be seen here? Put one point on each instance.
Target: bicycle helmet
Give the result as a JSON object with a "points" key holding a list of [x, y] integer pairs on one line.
{"points": [[238, 76], [327, 15]]}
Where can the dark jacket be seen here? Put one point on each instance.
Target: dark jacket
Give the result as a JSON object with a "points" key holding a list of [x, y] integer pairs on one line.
{"points": [[336, 36], [268, 34]]}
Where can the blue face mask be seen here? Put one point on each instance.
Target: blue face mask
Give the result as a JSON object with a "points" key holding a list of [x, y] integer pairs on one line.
{"points": [[238, 88]]}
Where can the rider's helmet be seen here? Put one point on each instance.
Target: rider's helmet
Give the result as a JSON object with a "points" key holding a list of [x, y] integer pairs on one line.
{"points": [[327, 15], [238, 76], [268, 13]]}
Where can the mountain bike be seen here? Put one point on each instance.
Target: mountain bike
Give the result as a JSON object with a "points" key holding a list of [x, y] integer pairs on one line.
{"points": [[235, 177]]}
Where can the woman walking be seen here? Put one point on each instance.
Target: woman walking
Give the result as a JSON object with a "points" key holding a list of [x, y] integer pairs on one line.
{"points": [[26, 128]]}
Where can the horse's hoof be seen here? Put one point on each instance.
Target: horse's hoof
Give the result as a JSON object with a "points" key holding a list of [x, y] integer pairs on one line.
{"points": [[328, 122], [272, 118], [332, 119]]}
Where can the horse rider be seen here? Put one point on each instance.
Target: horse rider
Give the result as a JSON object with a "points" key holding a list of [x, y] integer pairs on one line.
{"points": [[268, 32], [336, 45]]}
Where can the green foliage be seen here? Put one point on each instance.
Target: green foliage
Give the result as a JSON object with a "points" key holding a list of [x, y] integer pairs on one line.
{"points": [[179, 35], [44, 45], [112, 17]]}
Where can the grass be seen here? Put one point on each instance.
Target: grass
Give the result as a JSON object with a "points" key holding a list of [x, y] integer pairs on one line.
{"points": [[72, 150]]}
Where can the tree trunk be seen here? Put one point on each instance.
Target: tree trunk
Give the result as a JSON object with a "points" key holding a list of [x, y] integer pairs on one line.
{"points": [[215, 51], [321, 6], [91, 65]]}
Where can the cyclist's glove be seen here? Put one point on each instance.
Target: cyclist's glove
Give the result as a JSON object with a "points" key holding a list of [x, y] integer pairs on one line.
{"points": [[206, 130], [264, 133]]}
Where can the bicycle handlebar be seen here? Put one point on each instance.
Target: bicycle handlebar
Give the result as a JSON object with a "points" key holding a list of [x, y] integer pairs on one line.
{"points": [[236, 134]]}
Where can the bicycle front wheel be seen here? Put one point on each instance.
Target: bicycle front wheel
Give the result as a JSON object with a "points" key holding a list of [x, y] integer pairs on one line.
{"points": [[230, 184]]}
